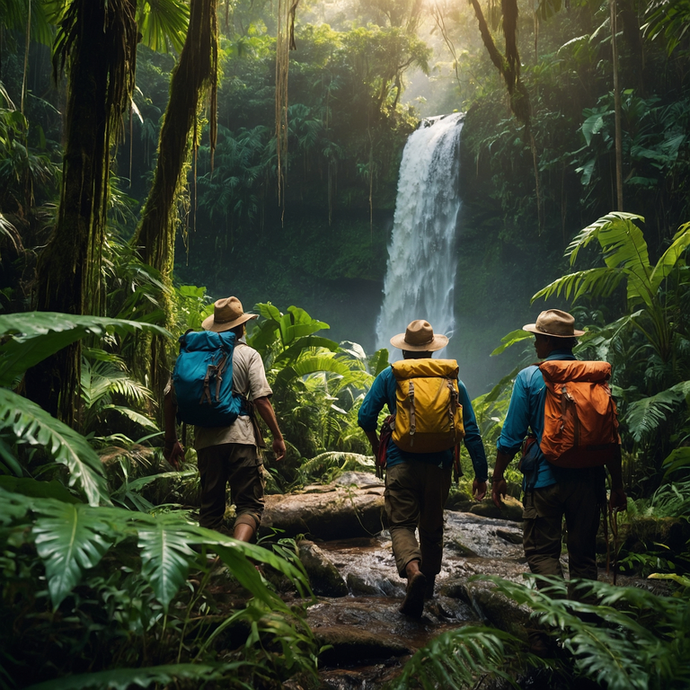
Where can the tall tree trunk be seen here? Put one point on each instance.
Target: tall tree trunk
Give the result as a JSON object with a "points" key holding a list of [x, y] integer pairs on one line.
{"points": [[98, 39], [155, 237], [618, 136], [508, 66]]}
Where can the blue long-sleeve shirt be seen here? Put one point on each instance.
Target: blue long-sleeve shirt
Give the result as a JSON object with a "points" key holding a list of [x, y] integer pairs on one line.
{"points": [[382, 392], [526, 411]]}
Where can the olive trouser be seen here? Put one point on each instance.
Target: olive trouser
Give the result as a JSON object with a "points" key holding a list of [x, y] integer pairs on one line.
{"points": [[415, 495], [240, 465], [578, 497]]}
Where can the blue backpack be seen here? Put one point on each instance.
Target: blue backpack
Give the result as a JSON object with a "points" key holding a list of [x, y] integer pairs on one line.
{"points": [[202, 379]]}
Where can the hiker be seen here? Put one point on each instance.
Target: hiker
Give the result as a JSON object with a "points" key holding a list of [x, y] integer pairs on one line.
{"points": [[229, 453], [418, 473], [561, 478]]}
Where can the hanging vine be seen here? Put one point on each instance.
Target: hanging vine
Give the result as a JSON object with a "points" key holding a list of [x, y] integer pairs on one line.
{"points": [[285, 42]]}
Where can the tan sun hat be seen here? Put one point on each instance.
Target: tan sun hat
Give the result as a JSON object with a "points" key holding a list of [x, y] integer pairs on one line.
{"points": [[419, 337], [227, 314], [556, 323]]}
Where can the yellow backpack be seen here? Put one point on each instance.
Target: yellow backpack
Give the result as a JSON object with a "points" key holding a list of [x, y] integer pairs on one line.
{"points": [[428, 414]]}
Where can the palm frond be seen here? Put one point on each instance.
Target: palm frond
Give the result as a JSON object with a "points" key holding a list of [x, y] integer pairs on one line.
{"points": [[670, 257], [32, 425], [33, 336], [644, 416], [593, 282], [163, 21]]}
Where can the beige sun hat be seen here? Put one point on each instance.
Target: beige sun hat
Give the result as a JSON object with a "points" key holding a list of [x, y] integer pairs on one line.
{"points": [[419, 337], [556, 323], [227, 314]]}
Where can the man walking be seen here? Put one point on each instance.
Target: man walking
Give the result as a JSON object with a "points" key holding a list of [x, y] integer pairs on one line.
{"points": [[552, 492], [417, 483], [230, 453]]}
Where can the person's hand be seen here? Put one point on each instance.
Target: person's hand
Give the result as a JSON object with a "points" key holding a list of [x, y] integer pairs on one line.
{"points": [[618, 500], [499, 489], [478, 490], [174, 454], [278, 447]]}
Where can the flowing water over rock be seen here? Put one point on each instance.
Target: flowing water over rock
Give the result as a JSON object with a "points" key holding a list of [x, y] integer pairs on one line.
{"points": [[420, 276]]}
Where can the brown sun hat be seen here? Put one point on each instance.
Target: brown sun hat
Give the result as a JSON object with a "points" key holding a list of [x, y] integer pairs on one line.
{"points": [[556, 323], [227, 314], [419, 337]]}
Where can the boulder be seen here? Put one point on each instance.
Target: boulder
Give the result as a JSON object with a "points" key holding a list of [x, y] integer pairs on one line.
{"points": [[354, 646], [324, 577], [512, 509], [334, 513]]}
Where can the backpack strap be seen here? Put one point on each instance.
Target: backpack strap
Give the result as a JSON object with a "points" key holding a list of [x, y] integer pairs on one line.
{"points": [[413, 421]]}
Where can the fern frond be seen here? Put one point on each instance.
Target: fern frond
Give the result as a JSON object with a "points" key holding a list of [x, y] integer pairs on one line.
{"points": [[646, 415], [32, 425]]}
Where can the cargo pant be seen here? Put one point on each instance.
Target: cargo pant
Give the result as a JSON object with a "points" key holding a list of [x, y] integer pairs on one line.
{"points": [[239, 465], [578, 496], [415, 495]]}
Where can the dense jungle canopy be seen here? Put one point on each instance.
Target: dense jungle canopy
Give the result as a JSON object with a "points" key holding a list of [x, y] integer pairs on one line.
{"points": [[156, 155]]}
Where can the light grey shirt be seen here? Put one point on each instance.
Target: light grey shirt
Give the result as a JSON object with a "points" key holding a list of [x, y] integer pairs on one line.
{"points": [[249, 379]]}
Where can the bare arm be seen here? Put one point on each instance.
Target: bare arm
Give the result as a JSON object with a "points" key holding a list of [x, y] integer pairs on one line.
{"points": [[265, 409]]}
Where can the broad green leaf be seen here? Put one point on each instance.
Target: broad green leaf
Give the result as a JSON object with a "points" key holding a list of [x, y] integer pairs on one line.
{"points": [[13, 506], [140, 419], [31, 424], [34, 488], [679, 459], [126, 678], [312, 365], [670, 257], [69, 538], [165, 555], [513, 337], [378, 361], [291, 353], [33, 336]]}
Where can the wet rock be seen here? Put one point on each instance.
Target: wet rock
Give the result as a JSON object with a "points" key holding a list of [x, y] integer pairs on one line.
{"points": [[337, 513], [493, 607], [359, 586], [512, 537], [512, 509], [323, 575], [352, 645], [362, 480]]}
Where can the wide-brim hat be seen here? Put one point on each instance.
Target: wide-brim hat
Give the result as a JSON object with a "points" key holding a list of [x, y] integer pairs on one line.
{"points": [[419, 337], [554, 323], [227, 314]]}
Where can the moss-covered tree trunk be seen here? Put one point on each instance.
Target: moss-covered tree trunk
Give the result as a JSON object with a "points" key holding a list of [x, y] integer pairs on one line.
{"points": [[155, 237], [97, 40]]}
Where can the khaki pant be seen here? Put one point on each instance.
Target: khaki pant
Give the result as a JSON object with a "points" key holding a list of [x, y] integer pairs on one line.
{"points": [[239, 465], [415, 495], [579, 498]]}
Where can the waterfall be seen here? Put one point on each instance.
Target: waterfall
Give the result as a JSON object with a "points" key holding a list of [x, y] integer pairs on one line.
{"points": [[420, 274]]}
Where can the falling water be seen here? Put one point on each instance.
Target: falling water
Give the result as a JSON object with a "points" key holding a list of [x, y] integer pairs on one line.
{"points": [[420, 275]]}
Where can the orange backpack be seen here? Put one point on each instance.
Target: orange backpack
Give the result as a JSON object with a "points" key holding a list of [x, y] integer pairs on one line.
{"points": [[580, 416]]}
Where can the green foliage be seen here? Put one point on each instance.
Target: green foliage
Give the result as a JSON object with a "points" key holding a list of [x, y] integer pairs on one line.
{"points": [[456, 659], [639, 641], [122, 576]]}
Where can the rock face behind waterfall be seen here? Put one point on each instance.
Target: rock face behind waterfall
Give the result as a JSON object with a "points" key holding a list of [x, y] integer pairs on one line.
{"points": [[420, 274]]}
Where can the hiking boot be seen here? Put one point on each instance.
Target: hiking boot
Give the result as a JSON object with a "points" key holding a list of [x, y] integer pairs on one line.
{"points": [[429, 589], [413, 604]]}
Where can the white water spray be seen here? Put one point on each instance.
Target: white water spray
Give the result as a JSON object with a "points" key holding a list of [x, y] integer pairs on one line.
{"points": [[420, 275]]}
